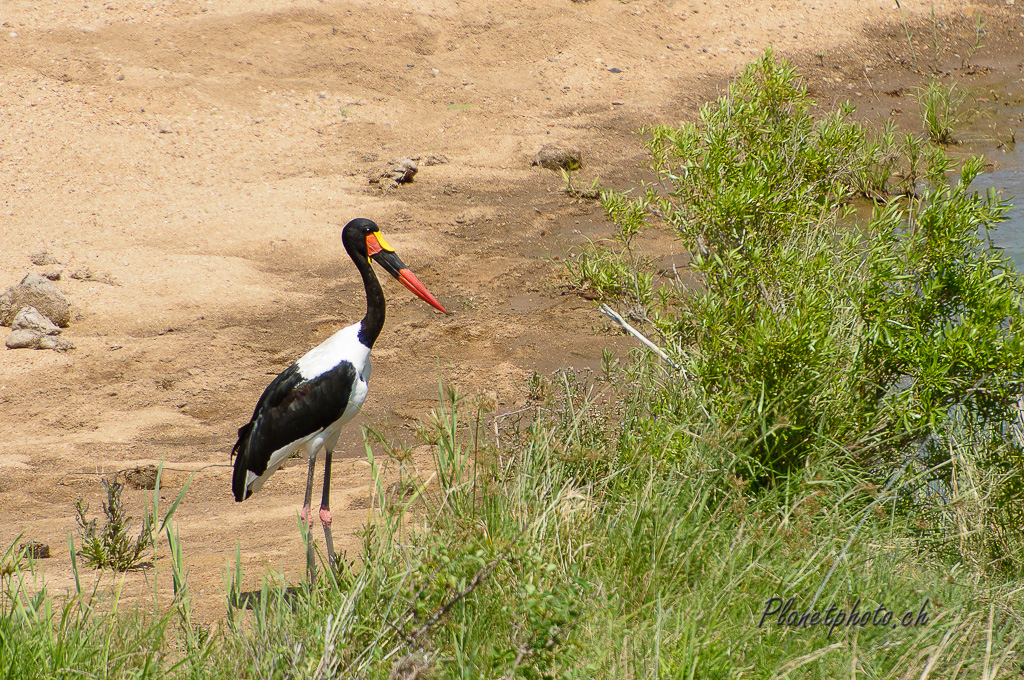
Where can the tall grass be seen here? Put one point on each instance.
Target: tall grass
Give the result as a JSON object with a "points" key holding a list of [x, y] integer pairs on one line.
{"points": [[86, 633], [568, 549]]}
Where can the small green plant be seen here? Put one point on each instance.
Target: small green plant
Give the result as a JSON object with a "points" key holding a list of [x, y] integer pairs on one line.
{"points": [[10, 564], [893, 165], [537, 387], [940, 110], [111, 547], [881, 163], [600, 273], [976, 45], [590, 193], [906, 31]]}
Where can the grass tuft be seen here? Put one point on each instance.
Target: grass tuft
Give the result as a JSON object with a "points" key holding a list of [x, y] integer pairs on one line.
{"points": [[940, 110], [111, 546]]}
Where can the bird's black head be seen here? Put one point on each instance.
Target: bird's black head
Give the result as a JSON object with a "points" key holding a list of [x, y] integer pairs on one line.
{"points": [[362, 238], [354, 235]]}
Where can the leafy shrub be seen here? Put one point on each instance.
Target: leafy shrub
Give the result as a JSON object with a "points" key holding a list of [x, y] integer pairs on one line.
{"points": [[811, 338], [111, 547], [757, 167]]}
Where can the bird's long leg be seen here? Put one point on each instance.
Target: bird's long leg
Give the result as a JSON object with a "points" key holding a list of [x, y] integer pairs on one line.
{"points": [[325, 505], [307, 514]]}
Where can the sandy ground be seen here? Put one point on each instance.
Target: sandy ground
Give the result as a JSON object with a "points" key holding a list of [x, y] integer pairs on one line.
{"points": [[204, 156]]}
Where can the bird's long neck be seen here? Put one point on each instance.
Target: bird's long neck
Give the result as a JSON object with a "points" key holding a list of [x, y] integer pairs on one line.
{"points": [[373, 322]]}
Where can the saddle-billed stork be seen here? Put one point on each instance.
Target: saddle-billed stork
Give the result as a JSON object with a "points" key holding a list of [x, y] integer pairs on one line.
{"points": [[310, 401]]}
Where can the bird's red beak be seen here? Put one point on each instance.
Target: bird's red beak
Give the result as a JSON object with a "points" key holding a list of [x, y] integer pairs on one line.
{"points": [[381, 252], [409, 280]]}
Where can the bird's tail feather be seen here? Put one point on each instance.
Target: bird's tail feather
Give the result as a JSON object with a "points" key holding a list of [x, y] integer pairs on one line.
{"points": [[240, 449]]}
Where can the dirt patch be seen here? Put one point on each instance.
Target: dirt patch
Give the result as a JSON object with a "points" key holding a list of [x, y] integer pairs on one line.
{"points": [[205, 155]]}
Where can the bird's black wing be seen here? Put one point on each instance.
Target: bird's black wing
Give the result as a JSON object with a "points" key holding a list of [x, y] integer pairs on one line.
{"points": [[278, 389], [290, 408]]}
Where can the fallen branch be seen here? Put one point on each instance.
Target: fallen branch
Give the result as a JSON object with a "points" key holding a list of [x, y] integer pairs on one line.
{"points": [[614, 316]]}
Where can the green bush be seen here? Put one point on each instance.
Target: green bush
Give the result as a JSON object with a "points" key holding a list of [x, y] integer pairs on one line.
{"points": [[809, 336], [756, 169], [111, 547]]}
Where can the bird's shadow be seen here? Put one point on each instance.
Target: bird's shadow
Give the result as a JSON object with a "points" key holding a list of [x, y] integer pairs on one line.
{"points": [[252, 599]]}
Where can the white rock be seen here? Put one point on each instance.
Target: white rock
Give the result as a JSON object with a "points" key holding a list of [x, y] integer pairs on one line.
{"points": [[30, 319], [56, 343], [24, 339]]}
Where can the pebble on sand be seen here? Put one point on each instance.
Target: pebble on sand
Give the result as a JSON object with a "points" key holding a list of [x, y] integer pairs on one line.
{"points": [[557, 156]]}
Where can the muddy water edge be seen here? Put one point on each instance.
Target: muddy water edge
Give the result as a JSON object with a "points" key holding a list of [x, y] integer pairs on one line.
{"points": [[998, 134]]}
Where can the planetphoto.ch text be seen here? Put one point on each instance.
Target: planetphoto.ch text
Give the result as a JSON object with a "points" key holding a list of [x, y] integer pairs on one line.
{"points": [[785, 613]]}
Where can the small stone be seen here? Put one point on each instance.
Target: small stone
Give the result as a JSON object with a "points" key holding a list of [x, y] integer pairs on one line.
{"points": [[559, 156], [87, 274], [53, 273], [435, 160], [56, 343], [24, 339], [361, 503], [615, 70], [35, 550], [39, 292], [143, 477], [394, 173], [404, 170], [42, 258], [29, 319]]}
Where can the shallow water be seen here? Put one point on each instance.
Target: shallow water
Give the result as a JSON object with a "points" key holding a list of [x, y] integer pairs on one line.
{"points": [[1008, 179]]}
